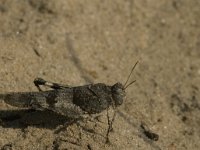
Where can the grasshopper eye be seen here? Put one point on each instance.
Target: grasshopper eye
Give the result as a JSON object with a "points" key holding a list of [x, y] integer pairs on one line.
{"points": [[118, 93]]}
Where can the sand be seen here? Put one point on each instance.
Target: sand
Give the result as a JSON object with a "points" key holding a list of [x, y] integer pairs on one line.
{"points": [[80, 42]]}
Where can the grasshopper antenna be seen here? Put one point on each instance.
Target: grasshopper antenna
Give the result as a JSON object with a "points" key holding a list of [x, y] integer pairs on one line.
{"points": [[125, 85], [129, 84]]}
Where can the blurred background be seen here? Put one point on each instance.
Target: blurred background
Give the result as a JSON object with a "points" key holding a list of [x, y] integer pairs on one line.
{"points": [[80, 42]]}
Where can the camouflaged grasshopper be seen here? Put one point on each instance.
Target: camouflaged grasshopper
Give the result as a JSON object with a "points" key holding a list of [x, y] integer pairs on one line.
{"points": [[72, 102]]}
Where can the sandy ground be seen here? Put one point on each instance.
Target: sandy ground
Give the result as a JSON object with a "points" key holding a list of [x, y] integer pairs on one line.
{"points": [[78, 42]]}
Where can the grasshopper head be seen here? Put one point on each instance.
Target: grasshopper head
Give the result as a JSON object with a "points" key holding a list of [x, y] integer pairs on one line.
{"points": [[118, 90], [118, 93]]}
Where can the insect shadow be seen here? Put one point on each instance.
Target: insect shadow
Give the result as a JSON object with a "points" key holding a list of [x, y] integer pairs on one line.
{"points": [[29, 117]]}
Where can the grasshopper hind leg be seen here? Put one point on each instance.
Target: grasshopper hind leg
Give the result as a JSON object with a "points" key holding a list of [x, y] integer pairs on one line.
{"points": [[39, 81]]}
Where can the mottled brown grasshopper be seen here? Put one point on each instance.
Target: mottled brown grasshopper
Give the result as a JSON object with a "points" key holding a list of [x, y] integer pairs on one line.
{"points": [[73, 102]]}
